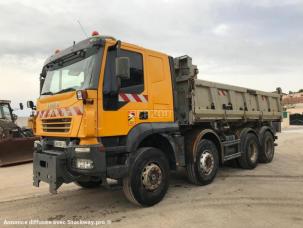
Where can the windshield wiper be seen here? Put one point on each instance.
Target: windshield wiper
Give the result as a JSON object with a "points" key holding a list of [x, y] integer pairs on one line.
{"points": [[61, 91], [47, 93], [66, 90]]}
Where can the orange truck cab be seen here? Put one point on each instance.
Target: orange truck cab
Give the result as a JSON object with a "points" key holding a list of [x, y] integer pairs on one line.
{"points": [[90, 110]]}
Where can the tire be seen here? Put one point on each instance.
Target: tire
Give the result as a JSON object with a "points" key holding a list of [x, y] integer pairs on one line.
{"points": [[267, 151], [250, 149], [88, 184], [148, 178], [204, 169]]}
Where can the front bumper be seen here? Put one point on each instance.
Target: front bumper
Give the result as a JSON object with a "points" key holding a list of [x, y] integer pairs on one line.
{"points": [[56, 167]]}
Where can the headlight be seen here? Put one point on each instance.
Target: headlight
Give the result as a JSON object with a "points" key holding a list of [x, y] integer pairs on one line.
{"points": [[60, 144], [82, 149], [84, 164]]}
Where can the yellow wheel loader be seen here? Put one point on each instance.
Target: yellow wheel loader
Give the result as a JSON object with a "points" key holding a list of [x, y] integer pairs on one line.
{"points": [[16, 144]]}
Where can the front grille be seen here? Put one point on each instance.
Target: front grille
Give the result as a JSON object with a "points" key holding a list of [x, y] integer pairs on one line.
{"points": [[56, 125]]}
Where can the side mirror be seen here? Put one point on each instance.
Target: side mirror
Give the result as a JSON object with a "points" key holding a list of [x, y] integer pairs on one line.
{"points": [[122, 67], [15, 117], [30, 104], [21, 106]]}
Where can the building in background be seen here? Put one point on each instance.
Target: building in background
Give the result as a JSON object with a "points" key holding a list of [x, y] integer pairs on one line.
{"points": [[293, 104]]}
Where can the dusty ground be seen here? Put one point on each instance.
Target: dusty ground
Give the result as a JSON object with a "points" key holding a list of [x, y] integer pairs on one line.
{"points": [[269, 196]]}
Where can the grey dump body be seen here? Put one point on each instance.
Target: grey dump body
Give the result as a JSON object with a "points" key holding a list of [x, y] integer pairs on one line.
{"points": [[204, 101]]}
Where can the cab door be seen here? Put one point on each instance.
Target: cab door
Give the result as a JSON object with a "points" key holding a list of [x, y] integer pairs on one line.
{"points": [[125, 108]]}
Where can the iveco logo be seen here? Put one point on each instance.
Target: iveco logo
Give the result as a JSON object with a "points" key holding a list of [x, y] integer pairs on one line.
{"points": [[53, 105]]}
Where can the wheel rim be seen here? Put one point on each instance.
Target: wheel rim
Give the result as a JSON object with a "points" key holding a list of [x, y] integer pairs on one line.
{"points": [[151, 176], [269, 148], [252, 151], [207, 162]]}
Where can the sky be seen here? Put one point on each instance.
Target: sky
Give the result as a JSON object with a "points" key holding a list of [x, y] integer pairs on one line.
{"points": [[255, 44]]}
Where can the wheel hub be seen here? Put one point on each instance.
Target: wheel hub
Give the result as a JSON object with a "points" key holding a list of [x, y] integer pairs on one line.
{"points": [[151, 176], [207, 162]]}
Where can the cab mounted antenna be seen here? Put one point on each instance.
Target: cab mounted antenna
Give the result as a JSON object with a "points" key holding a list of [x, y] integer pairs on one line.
{"points": [[82, 29]]}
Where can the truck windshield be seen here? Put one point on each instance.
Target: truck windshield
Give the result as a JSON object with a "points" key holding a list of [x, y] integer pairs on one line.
{"points": [[5, 112], [77, 74]]}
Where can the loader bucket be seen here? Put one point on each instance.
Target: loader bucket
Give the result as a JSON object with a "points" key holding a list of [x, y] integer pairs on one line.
{"points": [[16, 150]]}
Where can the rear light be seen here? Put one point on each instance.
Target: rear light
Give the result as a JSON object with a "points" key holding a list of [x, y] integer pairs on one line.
{"points": [[82, 94]]}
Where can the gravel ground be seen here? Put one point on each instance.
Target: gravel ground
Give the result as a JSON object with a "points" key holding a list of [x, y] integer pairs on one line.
{"points": [[269, 196]]}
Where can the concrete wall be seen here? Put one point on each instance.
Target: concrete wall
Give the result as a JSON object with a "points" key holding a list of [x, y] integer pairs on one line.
{"points": [[295, 110], [292, 109]]}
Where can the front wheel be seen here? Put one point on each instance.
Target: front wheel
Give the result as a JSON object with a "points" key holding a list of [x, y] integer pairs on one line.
{"points": [[148, 178]]}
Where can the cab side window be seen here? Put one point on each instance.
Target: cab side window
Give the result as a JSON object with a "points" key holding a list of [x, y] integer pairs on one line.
{"points": [[136, 82]]}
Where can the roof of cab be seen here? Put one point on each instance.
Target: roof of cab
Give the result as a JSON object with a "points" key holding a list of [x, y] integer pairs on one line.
{"points": [[140, 48], [89, 41], [76, 47], [5, 101]]}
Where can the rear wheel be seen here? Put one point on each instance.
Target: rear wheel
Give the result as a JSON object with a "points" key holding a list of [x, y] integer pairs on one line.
{"points": [[267, 148], [148, 178], [204, 168], [250, 152]]}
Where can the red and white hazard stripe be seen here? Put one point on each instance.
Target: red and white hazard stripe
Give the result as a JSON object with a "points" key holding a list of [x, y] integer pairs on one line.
{"points": [[133, 97], [222, 92], [60, 112]]}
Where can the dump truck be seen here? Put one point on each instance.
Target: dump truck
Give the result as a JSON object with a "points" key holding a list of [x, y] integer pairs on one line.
{"points": [[16, 144], [110, 110]]}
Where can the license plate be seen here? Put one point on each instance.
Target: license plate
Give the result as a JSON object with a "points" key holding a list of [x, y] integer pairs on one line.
{"points": [[61, 144]]}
